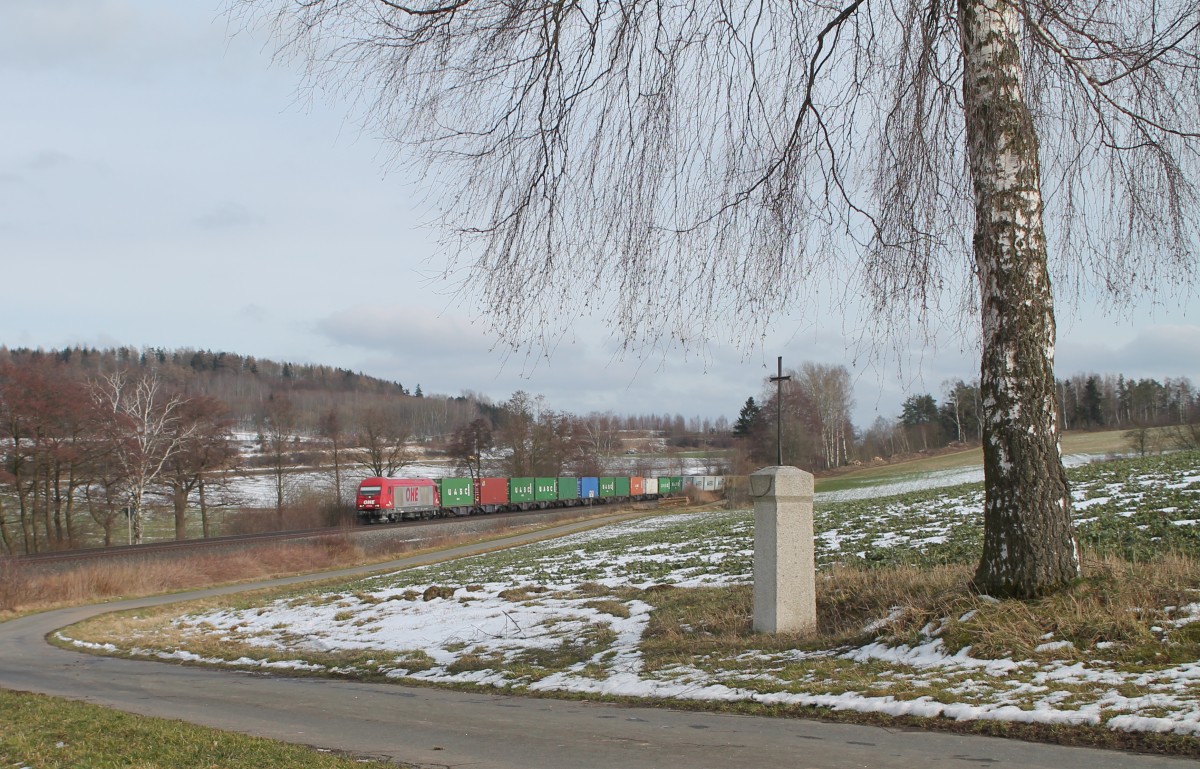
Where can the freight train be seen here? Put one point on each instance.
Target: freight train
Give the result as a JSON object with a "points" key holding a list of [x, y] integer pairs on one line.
{"points": [[403, 499]]}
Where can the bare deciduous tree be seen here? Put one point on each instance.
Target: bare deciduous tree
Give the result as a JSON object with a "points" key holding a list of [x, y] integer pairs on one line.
{"points": [[148, 432], [207, 449], [335, 437], [381, 441], [277, 434], [757, 146], [469, 444]]}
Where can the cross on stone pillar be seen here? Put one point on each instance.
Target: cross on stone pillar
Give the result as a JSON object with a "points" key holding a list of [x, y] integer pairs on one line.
{"points": [[779, 379]]}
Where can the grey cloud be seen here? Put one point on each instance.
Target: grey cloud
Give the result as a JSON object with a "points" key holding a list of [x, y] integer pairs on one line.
{"points": [[227, 216], [253, 312], [49, 159]]}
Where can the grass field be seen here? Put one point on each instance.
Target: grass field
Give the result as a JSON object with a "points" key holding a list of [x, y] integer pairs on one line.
{"points": [[1090, 444], [39, 732]]}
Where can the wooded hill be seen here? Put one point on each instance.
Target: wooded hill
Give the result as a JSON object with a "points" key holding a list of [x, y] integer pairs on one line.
{"points": [[247, 385]]}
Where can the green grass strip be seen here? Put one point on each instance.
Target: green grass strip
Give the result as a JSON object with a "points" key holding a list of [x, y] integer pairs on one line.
{"points": [[39, 732]]}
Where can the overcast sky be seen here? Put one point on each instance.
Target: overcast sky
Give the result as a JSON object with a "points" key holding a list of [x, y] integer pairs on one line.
{"points": [[161, 185]]}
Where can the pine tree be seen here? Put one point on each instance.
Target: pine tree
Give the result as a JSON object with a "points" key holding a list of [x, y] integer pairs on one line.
{"points": [[747, 418]]}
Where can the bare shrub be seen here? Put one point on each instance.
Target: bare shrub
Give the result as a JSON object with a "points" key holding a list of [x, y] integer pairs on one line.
{"points": [[14, 586], [737, 491], [1184, 437], [249, 520], [306, 509], [699, 496]]}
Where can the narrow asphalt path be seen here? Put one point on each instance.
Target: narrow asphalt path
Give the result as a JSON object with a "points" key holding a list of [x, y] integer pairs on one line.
{"points": [[436, 728]]}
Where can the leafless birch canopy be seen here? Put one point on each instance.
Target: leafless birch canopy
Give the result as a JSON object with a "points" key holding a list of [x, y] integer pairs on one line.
{"points": [[684, 169], [710, 158]]}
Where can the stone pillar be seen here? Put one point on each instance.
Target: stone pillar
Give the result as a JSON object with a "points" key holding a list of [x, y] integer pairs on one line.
{"points": [[785, 596]]}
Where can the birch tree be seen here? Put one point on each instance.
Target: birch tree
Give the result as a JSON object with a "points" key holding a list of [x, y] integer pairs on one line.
{"points": [[830, 391], [147, 431], [757, 146]]}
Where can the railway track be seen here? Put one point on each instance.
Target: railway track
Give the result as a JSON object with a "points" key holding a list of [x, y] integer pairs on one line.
{"points": [[364, 535], [172, 546]]}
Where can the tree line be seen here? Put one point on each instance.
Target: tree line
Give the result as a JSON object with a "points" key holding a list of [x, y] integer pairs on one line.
{"points": [[97, 435], [817, 400]]}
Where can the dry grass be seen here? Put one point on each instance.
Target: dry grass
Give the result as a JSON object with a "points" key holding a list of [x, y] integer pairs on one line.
{"points": [[13, 584], [24, 590], [93, 582], [1126, 609]]}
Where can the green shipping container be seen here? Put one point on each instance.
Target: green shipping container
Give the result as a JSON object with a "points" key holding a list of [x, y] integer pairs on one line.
{"points": [[457, 492], [520, 490], [622, 487], [568, 488], [670, 484], [545, 489], [608, 487]]}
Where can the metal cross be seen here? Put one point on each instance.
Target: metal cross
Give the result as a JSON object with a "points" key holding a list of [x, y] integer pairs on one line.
{"points": [[779, 379]]}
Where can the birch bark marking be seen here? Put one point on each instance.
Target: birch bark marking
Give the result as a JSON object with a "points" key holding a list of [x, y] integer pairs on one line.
{"points": [[1029, 546]]}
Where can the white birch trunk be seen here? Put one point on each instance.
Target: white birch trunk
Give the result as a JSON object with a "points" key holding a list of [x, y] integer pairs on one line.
{"points": [[1029, 546]]}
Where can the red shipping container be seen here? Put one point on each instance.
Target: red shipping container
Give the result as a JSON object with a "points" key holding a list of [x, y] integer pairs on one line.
{"points": [[492, 491], [636, 487]]}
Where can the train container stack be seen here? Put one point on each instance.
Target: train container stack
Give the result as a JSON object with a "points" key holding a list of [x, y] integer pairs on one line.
{"points": [[492, 494], [589, 488], [670, 484], [458, 495], [545, 491], [520, 493], [568, 490]]}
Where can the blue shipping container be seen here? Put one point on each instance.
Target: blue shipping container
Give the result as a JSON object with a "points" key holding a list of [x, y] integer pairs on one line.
{"points": [[589, 488]]}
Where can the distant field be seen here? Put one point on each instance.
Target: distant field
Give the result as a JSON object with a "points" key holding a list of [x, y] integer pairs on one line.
{"points": [[1096, 444]]}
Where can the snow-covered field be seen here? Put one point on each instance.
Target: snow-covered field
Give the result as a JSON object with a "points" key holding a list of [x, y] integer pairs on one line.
{"points": [[935, 480], [572, 615]]}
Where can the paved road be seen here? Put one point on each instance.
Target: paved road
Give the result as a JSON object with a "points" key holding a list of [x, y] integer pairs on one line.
{"points": [[435, 728]]}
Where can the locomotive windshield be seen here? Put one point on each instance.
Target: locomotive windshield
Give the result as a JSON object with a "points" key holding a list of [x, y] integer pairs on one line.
{"points": [[369, 491]]}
